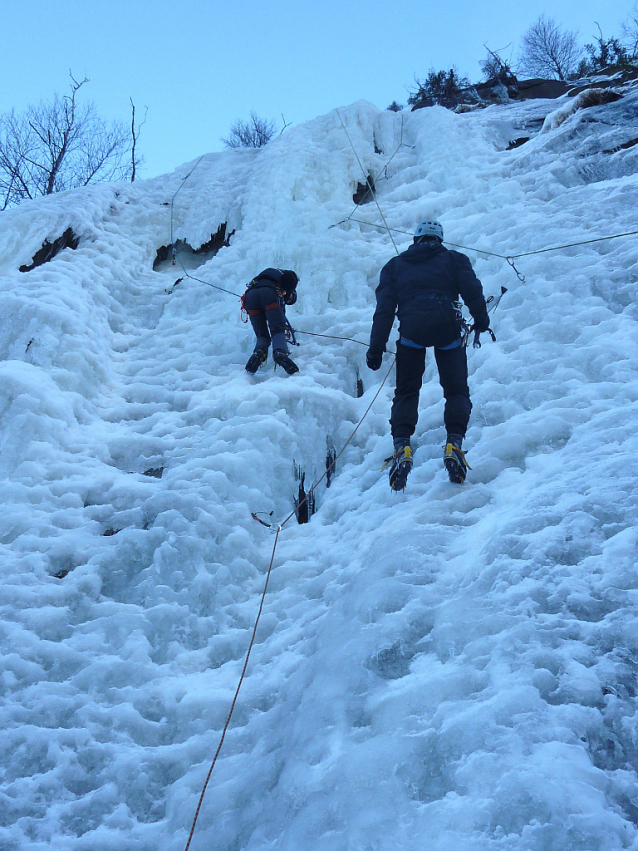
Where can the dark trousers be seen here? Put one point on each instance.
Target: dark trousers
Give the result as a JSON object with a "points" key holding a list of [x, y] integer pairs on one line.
{"points": [[267, 317], [410, 365]]}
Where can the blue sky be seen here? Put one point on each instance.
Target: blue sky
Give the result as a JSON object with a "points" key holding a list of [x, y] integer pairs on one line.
{"points": [[200, 65]]}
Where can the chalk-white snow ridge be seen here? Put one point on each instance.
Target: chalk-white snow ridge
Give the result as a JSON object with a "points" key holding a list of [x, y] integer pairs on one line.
{"points": [[451, 668]]}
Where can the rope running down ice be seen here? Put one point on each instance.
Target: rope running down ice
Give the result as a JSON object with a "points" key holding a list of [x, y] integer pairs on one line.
{"points": [[277, 528]]}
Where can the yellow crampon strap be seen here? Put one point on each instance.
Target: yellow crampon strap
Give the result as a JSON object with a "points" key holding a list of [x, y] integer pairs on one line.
{"points": [[407, 451], [450, 454]]}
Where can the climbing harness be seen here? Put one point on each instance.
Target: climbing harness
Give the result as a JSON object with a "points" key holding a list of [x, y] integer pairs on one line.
{"points": [[463, 323], [245, 314]]}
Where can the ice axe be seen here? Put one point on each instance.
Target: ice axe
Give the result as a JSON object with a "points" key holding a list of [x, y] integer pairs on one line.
{"points": [[492, 303]]}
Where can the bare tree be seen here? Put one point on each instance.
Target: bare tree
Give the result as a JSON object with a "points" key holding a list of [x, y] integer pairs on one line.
{"points": [[630, 32], [254, 133], [58, 145], [136, 160], [549, 50]]}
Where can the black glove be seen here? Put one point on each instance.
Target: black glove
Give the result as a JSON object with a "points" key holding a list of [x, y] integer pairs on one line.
{"points": [[373, 359], [482, 324]]}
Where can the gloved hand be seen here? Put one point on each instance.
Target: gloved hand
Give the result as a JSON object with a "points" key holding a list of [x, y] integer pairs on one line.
{"points": [[482, 323], [373, 359]]}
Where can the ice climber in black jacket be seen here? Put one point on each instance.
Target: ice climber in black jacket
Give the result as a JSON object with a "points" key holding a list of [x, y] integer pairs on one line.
{"points": [[421, 286], [265, 299]]}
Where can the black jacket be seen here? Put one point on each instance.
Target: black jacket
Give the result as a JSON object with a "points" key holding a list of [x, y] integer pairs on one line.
{"points": [[420, 286], [284, 280]]}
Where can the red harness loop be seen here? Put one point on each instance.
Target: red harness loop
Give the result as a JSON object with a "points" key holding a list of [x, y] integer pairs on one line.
{"points": [[246, 313]]}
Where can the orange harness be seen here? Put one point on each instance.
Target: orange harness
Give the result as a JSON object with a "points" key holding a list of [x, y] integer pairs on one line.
{"points": [[268, 307], [246, 313]]}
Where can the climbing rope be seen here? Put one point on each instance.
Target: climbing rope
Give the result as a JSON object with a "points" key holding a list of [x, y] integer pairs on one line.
{"points": [[399, 146], [367, 180], [329, 467], [174, 251], [509, 258], [202, 281], [330, 337], [277, 528], [236, 695], [179, 189], [375, 178]]}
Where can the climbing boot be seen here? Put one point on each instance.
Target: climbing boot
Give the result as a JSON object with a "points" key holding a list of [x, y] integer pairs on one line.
{"points": [[257, 358], [400, 464], [454, 459], [280, 357]]}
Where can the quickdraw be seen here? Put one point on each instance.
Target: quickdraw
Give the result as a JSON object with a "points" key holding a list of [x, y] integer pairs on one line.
{"points": [[519, 275], [276, 527]]}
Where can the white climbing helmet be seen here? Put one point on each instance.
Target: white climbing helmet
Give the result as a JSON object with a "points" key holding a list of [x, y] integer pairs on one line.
{"points": [[429, 228]]}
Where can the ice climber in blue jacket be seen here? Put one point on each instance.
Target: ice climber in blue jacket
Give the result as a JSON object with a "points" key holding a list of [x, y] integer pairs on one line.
{"points": [[421, 286]]}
